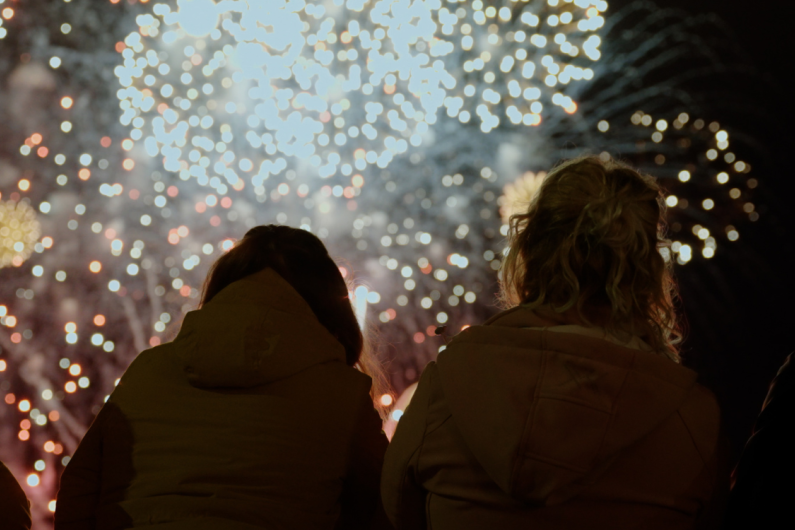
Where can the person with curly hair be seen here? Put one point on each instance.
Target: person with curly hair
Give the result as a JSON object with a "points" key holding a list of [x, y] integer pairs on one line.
{"points": [[570, 408]]}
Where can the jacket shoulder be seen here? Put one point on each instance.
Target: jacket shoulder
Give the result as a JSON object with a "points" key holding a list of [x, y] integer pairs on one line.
{"points": [[701, 401], [700, 413], [148, 361]]}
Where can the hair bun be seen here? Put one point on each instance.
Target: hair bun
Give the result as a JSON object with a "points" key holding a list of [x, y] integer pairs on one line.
{"points": [[599, 216]]}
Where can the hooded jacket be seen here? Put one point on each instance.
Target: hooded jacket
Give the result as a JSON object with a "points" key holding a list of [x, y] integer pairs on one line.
{"points": [[249, 419], [537, 429]]}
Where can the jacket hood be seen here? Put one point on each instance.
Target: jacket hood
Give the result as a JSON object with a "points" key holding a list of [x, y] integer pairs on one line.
{"points": [[544, 412], [255, 331]]}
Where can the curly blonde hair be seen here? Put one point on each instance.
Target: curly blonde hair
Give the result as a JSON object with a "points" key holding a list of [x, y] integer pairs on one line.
{"points": [[593, 239]]}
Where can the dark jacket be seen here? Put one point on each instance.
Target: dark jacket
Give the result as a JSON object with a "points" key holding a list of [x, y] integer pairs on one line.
{"points": [[14, 505], [518, 428], [764, 479], [249, 419]]}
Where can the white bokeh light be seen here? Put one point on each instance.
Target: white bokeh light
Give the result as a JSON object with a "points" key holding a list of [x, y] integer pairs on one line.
{"points": [[527, 52], [335, 85]]}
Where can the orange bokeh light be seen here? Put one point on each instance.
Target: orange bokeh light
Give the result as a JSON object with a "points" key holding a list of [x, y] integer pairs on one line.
{"points": [[70, 387], [185, 290], [389, 89], [128, 164], [215, 220], [154, 341], [11, 321], [386, 400], [84, 174], [54, 415], [226, 202], [201, 207], [16, 337], [172, 191], [95, 266], [58, 449], [2, 365], [24, 424], [134, 194], [8, 13], [10, 399], [105, 141], [24, 184], [110, 233], [66, 102], [173, 238], [24, 435], [35, 138], [357, 181], [419, 337], [49, 446], [99, 320], [42, 151]]}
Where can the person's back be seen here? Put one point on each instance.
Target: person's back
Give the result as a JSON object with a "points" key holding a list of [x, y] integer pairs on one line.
{"points": [[14, 505], [251, 418], [548, 419], [763, 479]]}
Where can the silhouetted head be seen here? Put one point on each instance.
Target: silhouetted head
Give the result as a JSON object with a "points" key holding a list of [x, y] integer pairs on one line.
{"points": [[302, 260], [593, 240]]}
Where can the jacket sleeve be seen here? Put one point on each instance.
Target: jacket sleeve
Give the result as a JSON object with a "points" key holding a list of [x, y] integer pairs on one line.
{"points": [[403, 496], [14, 505], [360, 501], [78, 495]]}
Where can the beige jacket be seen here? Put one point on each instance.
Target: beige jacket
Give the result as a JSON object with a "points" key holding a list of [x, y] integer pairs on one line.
{"points": [[534, 429]]}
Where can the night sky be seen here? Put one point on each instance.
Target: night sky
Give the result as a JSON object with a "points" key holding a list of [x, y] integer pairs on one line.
{"points": [[738, 342]]}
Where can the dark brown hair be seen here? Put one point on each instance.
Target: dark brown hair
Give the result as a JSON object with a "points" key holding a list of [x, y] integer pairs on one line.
{"points": [[303, 261], [593, 238]]}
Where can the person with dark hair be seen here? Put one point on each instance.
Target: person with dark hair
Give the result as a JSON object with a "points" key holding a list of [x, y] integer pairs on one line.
{"points": [[258, 414], [569, 409], [14, 505], [762, 481]]}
